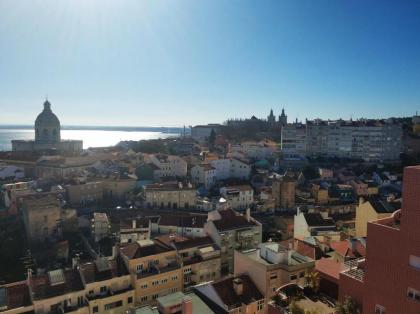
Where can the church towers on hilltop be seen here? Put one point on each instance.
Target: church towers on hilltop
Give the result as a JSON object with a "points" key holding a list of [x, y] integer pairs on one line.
{"points": [[271, 119]]}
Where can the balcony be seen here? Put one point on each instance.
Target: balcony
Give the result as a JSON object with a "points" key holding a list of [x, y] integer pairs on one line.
{"points": [[109, 293], [355, 269], [156, 269]]}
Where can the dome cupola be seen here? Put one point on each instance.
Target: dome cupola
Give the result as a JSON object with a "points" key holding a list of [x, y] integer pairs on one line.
{"points": [[47, 126]]}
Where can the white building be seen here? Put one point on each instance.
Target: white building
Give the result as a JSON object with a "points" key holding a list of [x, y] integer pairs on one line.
{"points": [[231, 168], [239, 197], [11, 172], [293, 140], [167, 165], [203, 174], [100, 226], [256, 150]]}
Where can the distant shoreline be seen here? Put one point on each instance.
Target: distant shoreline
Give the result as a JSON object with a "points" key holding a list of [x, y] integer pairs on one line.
{"points": [[107, 128]]}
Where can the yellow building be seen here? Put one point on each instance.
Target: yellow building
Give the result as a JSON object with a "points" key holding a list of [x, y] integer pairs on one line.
{"points": [[319, 194], [201, 258], [155, 270], [108, 286], [86, 193], [371, 210], [118, 189], [170, 195], [272, 266], [41, 216]]}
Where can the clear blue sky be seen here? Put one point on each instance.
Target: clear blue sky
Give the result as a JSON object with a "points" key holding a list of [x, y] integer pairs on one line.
{"points": [[197, 61]]}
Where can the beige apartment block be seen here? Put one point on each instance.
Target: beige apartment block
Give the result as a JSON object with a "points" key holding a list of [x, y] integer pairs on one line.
{"points": [[41, 216], [272, 265], [170, 195], [155, 270]]}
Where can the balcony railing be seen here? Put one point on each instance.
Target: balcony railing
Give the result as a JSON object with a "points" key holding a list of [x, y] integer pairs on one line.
{"points": [[353, 269], [108, 293], [156, 269]]}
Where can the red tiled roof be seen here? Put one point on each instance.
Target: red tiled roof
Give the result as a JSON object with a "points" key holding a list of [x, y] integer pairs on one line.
{"points": [[329, 268], [342, 248]]}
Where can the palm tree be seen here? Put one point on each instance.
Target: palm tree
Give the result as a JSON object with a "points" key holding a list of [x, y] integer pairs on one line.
{"points": [[312, 280], [347, 307]]}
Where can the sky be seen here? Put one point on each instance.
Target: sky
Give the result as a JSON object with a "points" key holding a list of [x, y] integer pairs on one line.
{"points": [[187, 62]]}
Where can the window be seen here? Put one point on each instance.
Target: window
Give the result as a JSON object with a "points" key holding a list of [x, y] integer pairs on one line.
{"points": [[95, 309], [379, 309], [273, 276], [302, 274], [139, 268], [143, 299], [155, 282], [293, 277], [144, 286], [260, 305], [130, 300], [103, 289], [155, 296], [164, 280], [174, 278], [415, 261], [413, 294], [113, 305]]}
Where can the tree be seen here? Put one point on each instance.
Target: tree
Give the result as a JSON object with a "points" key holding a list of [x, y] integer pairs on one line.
{"points": [[212, 139], [312, 280], [347, 307], [294, 308]]}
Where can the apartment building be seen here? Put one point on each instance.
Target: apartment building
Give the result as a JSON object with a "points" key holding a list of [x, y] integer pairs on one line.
{"points": [[369, 140], [238, 197], [388, 279], [204, 174], [372, 209], [232, 231], [227, 168], [85, 193], [314, 224], [184, 224], [108, 286], [293, 140], [170, 195], [58, 290], [41, 216], [167, 166], [284, 192], [201, 258], [272, 265], [136, 229], [11, 192], [101, 227], [155, 270]]}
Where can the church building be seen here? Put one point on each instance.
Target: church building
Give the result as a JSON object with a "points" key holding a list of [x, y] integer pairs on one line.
{"points": [[47, 136]]}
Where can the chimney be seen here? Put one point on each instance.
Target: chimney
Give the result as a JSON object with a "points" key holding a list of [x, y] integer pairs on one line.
{"points": [[134, 224], [29, 277], [238, 286], [75, 261], [361, 201], [187, 306], [248, 214]]}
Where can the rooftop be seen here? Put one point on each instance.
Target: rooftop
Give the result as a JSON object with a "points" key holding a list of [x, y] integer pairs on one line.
{"points": [[231, 220], [55, 283], [139, 250], [103, 269]]}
